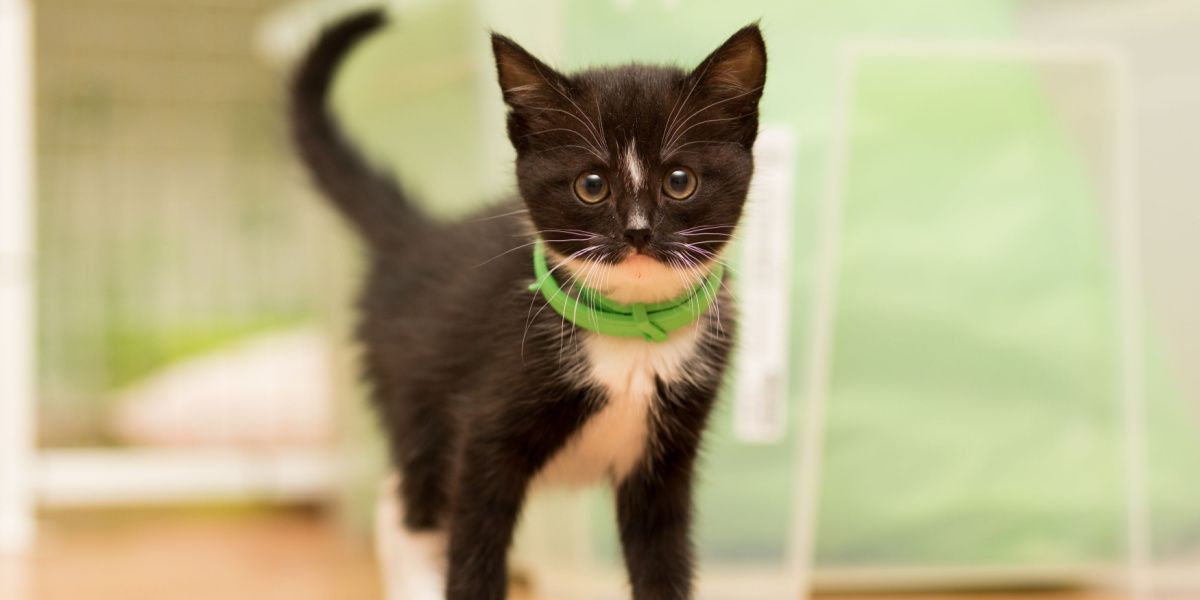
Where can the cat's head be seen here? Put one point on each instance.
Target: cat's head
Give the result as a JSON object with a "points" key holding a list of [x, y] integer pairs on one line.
{"points": [[635, 175]]}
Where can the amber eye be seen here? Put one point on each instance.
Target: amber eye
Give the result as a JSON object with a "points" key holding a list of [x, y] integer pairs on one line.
{"points": [[591, 187], [680, 183]]}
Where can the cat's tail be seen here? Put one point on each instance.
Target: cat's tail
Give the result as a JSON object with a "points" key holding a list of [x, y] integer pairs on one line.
{"points": [[368, 198]]}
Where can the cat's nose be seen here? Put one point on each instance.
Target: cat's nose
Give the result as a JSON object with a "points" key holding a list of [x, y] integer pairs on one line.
{"points": [[638, 238]]}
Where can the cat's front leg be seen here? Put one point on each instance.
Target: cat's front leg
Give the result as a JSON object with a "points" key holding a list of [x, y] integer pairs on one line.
{"points": [[654, 502], [654, 509], [501, 454], [488, 499]]}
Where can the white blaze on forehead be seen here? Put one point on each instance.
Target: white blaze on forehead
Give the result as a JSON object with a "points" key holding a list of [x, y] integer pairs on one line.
{"points": [[633, 166]]}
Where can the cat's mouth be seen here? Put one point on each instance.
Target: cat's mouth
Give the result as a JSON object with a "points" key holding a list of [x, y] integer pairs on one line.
{"points": [[639, 265]]}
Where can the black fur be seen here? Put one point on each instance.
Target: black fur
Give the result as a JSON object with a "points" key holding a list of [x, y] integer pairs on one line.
{"points": [[476, 385]]}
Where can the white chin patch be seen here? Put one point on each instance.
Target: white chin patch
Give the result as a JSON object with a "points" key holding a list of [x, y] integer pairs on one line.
{"points": [[413, 564], [638, 278]]}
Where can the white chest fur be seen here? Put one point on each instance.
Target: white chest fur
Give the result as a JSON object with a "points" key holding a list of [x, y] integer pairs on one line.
{"points": [[612, 442]]}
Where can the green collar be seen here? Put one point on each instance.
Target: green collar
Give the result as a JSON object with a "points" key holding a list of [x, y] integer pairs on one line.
{"points": [[590, 310]]}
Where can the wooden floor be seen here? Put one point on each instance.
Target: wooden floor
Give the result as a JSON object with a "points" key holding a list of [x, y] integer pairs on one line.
{"points": [[225, 555], [206, 556]]}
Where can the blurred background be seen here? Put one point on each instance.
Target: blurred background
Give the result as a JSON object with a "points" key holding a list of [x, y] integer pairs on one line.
{"points": [[971, 356]]}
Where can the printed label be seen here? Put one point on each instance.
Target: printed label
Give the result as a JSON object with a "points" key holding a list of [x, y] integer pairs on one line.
{"points": [[764, 291]]}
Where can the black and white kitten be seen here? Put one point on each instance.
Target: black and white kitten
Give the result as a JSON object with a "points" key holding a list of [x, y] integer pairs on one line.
{"points": [[634, 177]]}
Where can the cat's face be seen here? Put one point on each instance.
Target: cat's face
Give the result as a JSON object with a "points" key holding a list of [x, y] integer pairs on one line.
{"points": [[636, 172]]}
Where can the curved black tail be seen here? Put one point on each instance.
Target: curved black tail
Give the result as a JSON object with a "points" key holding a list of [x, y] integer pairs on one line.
{"points": [[368, 198]]}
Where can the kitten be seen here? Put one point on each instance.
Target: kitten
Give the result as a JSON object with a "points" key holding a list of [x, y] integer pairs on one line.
{"points": [[634, 178]]}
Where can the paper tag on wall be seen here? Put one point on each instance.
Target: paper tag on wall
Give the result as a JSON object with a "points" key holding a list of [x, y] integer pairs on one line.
{"points": [[764, 291]]}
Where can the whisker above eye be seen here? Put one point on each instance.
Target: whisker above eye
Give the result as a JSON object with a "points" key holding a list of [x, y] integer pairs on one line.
{"points": [[679, 136], [600, 115], [590, 125], [596, 138], [576, 146], [674, 135], [677, 148], [681, 105], [589, 144]]}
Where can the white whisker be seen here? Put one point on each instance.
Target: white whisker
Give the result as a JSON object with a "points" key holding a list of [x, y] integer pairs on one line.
{"points": [[679, 147], [526, 245], [500, 216], [590, 125], [703, 228], [707, 254], [713, 104], [590, 143], [665, 151], [679, 136], [589, 270], [682, 105], [538, 294], [694, 267]]}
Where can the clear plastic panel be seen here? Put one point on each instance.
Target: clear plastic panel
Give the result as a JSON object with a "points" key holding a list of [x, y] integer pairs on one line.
{"points": [[986, 375]]}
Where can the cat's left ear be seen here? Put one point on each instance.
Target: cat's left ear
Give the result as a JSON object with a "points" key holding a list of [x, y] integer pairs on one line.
{"points": [[734, 73]]}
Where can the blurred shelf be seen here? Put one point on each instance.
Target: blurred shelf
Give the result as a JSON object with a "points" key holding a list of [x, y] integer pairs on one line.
{"points": [[102, 477]]}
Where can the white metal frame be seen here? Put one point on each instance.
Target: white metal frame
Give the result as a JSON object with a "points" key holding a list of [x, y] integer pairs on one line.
{"points": [[16, 279], [1126, 257]]}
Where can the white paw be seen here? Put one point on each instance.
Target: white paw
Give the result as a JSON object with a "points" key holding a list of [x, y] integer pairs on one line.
{"points": [[413, 563]]}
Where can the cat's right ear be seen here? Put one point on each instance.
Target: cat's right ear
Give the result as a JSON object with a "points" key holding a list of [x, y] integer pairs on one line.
{"points": [[525, 80]]}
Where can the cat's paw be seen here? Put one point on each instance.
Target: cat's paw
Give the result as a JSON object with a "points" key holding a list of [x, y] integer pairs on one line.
{"points": [[413, 564]]}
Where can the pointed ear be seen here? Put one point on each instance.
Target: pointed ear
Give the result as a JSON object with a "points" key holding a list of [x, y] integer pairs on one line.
{"points": [[524, 79], [738, 69]]}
